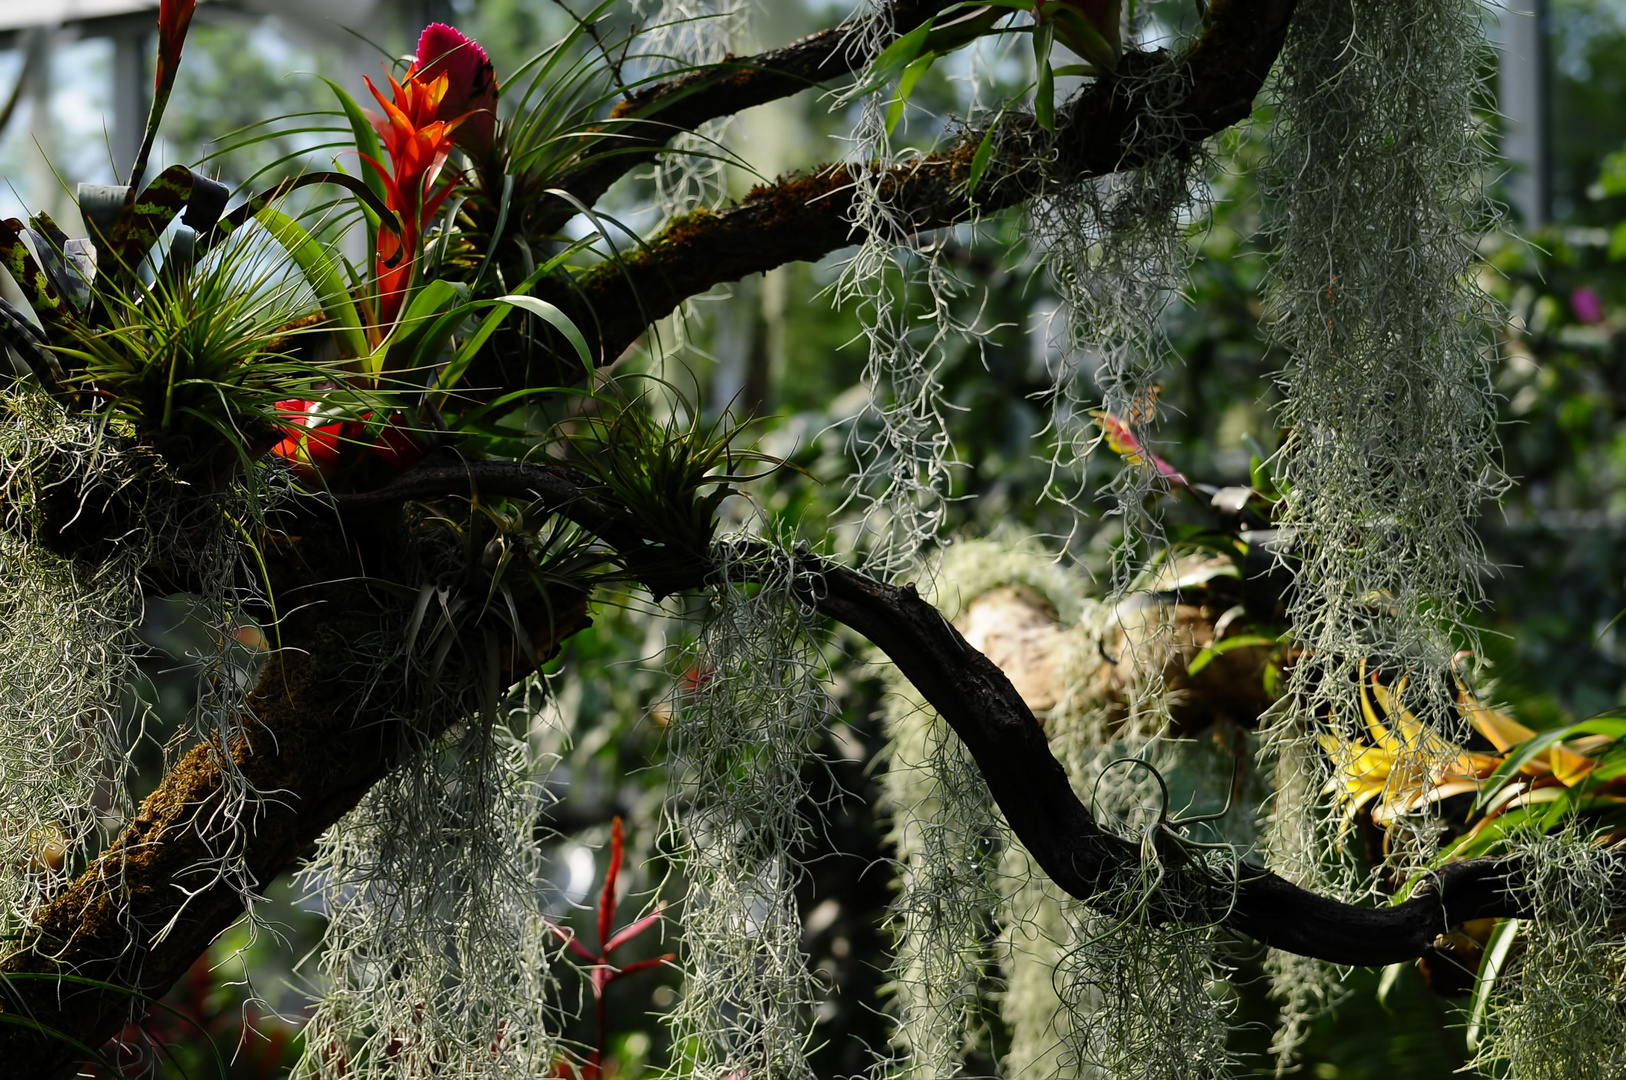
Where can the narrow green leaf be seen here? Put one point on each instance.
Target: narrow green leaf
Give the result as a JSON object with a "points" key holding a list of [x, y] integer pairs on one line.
{"points": [[894, 58], [557, 319], [324, 278], [906, 86], [362, 129], [1490, 968], [1521, 755], [1209, 654], [1387, 984], [1044, 96], [983, 155]]}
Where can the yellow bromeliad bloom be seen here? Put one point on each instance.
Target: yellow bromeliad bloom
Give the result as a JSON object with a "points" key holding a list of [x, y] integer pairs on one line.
{"points": [[1402, 766]]}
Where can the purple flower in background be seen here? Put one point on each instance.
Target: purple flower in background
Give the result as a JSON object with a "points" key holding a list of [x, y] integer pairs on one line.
{"points": [[1587, 306]]}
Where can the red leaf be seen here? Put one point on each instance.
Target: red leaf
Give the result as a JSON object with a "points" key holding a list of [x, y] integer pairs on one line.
{"points": [[640, 965], [606, 903], [569, 938], [632, 930]]}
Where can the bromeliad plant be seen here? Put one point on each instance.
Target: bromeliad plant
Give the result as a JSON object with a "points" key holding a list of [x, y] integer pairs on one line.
{"points": [[600, 967]]}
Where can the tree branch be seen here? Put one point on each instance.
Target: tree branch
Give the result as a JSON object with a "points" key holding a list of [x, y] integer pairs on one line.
{"points": [[652, 115], [1009, 745], [150, 904], [804, 218]]}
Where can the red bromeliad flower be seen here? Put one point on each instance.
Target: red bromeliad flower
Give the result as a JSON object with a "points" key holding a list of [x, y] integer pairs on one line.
{"points": [[317, 450], [174, 17], [471, 85], [417, 145]]}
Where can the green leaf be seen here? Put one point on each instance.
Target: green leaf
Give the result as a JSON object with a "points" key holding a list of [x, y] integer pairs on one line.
{"points": [[1617, 242], [1044, 96], [984, 154], [427, 323], [1612, 173], [1490, 968], [1241, 641], [894, 58], [324, 278], [906, 86], [555, 318], [1525, 752], [366, 138], [1386, 985]]}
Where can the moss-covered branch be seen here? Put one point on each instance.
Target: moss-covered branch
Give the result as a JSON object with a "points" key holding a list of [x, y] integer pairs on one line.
{"points": [[146, 908], [806, 217], [652, 115]]}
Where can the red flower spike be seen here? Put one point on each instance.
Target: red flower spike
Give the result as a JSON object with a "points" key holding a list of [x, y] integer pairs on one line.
{"points": [[417, 145], [472, 84], [174, 18], [606, 903]]}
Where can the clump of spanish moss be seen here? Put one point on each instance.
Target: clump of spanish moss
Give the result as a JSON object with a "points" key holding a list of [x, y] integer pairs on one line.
{"points": [[1558, 1009], [751, 709], [437, 956], [84, 510], [902, 292], [1117, 251], [681, 34], [947, 836], [1106, 989], [1377, 202]]}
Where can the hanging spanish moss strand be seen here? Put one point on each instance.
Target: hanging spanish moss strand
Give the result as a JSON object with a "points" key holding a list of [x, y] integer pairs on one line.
{"points": [[67, 645], [902, 293], [683, 34], [68, 642], [744, 730], [1558, 1009], [1377, 204], [947, 835], [437, 956], [1117, 251]]}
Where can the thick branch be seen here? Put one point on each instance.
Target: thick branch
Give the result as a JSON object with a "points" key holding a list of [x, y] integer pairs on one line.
{"points": [[985, 711], [652, 115], [149, 905], [1010, 747], [804, 218]]}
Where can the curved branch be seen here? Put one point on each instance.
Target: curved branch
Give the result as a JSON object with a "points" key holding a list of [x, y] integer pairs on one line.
{"points": [[804, 218], [1010, 747], [1032, 790]]}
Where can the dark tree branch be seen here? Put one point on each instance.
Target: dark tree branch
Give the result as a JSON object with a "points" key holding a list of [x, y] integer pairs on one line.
{"points": [[804, 218], [1009, 745], [652, 115]]}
